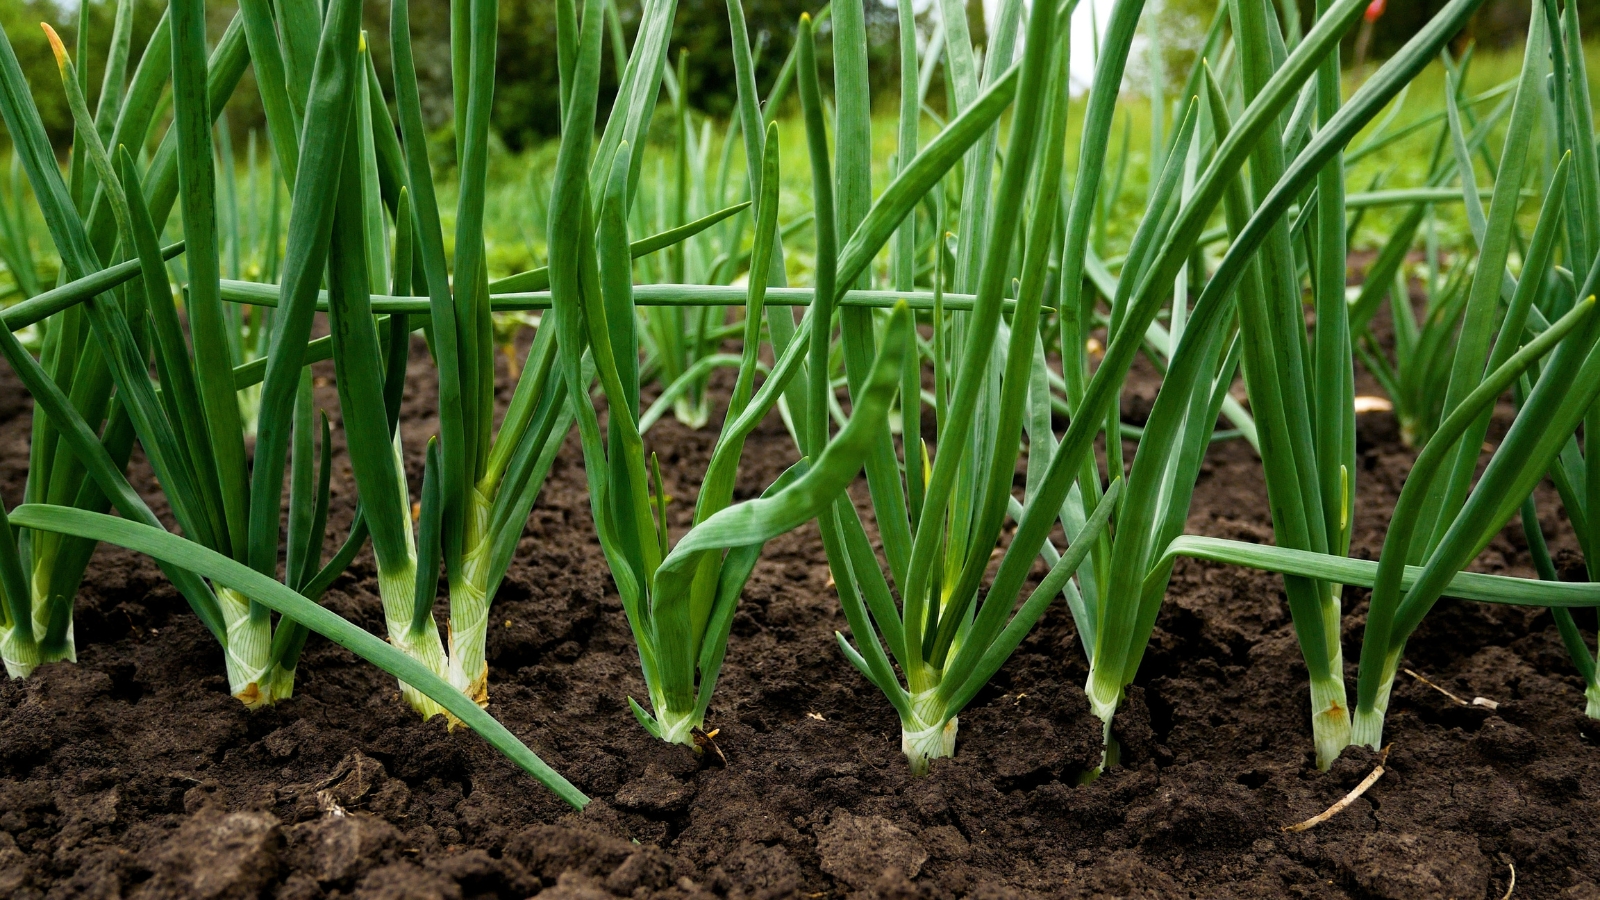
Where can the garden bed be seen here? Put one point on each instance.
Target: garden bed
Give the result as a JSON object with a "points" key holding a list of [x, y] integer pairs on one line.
{"points": [[134, 773]]}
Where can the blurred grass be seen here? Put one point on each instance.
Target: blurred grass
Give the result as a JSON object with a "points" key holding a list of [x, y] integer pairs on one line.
{"points": [[516, 227], [519, 183]]}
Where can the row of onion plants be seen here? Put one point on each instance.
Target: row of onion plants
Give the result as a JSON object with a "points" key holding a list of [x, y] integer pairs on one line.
{"points": [[981, 269]]}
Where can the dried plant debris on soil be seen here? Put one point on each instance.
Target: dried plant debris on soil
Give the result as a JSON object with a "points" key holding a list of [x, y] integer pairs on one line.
{"points": [[135, 774]]}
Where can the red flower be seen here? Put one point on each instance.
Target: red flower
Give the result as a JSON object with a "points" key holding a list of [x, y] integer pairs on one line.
{"points": [[1375, 9]]}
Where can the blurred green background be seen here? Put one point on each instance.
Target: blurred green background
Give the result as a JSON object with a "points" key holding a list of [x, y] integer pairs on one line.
{"points": [[523, 158], [525, 95]]}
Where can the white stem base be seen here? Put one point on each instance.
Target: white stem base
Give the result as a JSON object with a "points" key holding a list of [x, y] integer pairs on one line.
{"points": [[279, 684], [249, 649], [677, 727], [928, 734], [1366, 728], [924, 743], [426, 649], [21, 656], [424, 646], [1592, 708], [468, 666], [1330, 720], [694, 415], [1104, 696]]}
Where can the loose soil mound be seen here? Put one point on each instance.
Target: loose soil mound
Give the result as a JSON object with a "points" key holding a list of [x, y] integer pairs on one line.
{"points": [[133, 773]]}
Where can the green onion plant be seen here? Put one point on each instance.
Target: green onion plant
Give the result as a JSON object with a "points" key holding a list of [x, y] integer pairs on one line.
{"points": [[1443, 520], [478, 483], [1299, 386], [79, 216], [679, 599], [997, 263], [188, 420], [1442, 523], [940, 524], [187, 417], [1302, 401]]}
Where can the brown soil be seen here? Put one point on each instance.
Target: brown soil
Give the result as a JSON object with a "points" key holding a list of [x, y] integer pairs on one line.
{"points": [[133, 773]]}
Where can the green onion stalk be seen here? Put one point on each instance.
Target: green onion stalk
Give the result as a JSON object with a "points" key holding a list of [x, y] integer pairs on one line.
{"points": [[177, 424], [52, 565], [27, 617], [679, 600], [1448, 520], [187, 563], [1121, 585], [193, 432], [1149, 517], [478, 484], [941, 529], [405, 588], [1301, 402], [123, 328], [1115, 620], [1433, 510], [1573, 126], [190, 435], [1403, 594], [1563, 354], [1396, 612], [1233, 276]]}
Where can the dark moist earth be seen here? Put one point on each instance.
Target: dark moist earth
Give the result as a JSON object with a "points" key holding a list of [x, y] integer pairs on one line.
{"points": [[134, 773]]}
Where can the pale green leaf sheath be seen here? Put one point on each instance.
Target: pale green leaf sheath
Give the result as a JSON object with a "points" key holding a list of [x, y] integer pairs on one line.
{"points": [[397, 587], [375, 454], [247, 655], [468, 669]]}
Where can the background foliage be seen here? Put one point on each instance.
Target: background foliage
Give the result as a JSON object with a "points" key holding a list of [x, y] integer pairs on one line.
{"points": [[525, 99]]}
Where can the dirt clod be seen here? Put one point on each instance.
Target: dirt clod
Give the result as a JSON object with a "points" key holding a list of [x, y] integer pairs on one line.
{"points": [[861, 850], [1437, 866], [217, 856], [338, 849]]}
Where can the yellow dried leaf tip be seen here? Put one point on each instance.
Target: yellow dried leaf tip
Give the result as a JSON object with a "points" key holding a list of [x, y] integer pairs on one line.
{"points": [[56, 46]]}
